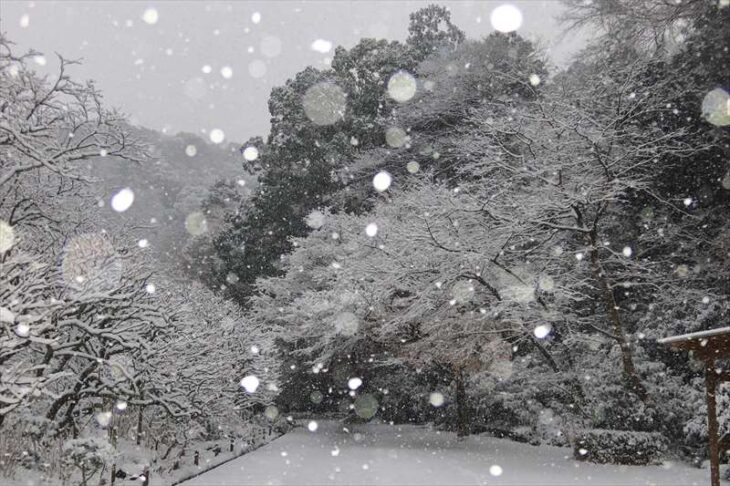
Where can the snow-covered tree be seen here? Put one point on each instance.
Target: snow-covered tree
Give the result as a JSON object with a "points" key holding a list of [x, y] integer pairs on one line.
{"points": [[50, 128]]}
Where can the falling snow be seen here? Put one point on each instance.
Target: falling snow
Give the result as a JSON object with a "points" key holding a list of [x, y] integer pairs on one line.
{"points": [[436, 399], [322, 46], [227, 72], [371, 229], [506, 18], [354, 383], [250, 383], [196, 224], [382, 181], [542, 331], [396, 137], [402, 86], [325, 103], [217, 135], [316, 219], [495, 470], [251, 153], [203, 252], [150, 16], [257, 68], [122, 200]]}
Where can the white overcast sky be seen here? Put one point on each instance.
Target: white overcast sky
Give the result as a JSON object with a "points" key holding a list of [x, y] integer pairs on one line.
{"points": [[154, 72]]}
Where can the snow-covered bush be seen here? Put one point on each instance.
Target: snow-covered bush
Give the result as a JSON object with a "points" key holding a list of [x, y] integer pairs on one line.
{"points": [[530, 405], [693, 433], [619, 447], [88, 455]]}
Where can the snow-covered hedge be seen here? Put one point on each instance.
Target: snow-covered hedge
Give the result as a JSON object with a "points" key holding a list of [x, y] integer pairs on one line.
{"points": [[619, 446]]}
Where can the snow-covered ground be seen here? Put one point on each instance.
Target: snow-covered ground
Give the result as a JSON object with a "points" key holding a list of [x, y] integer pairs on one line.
{"points": [[409, 455]]}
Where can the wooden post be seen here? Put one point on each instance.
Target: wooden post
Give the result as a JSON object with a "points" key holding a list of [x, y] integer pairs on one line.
{"points": [[230, 449], [139, 425], [462, 418], [113, 436], [196, 458], [712, 426], [708, 346]]}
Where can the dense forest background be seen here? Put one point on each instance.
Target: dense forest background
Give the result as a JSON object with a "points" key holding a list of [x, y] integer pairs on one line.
{"points": [[478, 239]]}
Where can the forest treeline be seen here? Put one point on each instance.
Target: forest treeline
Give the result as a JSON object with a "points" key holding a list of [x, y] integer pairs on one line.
{"points": [[457, 222]]}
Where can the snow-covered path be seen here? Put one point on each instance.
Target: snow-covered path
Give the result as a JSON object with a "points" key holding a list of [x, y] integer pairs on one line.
{"points": [[409, 455]]}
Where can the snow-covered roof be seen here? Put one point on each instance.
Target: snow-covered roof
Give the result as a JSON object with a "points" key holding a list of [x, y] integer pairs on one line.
{"points": [[695, 335], [712, 341]]}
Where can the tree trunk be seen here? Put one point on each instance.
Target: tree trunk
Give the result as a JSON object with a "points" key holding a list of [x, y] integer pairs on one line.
{"points": [[576, 386], [169, 449], [462, 418], [712, 425], [74, 395], [617, 329], [139, 425], [113, 437]]}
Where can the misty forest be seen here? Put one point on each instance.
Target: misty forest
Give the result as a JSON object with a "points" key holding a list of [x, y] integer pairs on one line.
{"points": [[450, 260]]}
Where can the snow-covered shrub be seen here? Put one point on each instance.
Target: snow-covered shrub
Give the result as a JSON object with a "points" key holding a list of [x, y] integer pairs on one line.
{"points": [[619, 447], [693, 434], [89, 455], [680, 410], [527, 407], [27, 441], [677, 409], [614, 407], [36, 429]]}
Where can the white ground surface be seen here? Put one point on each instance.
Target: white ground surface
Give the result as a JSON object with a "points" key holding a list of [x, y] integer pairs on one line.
{"points": [[409, 455]]}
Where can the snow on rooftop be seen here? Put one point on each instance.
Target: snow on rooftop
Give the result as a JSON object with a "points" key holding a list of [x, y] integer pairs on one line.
{"points": [[695, 335]]}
